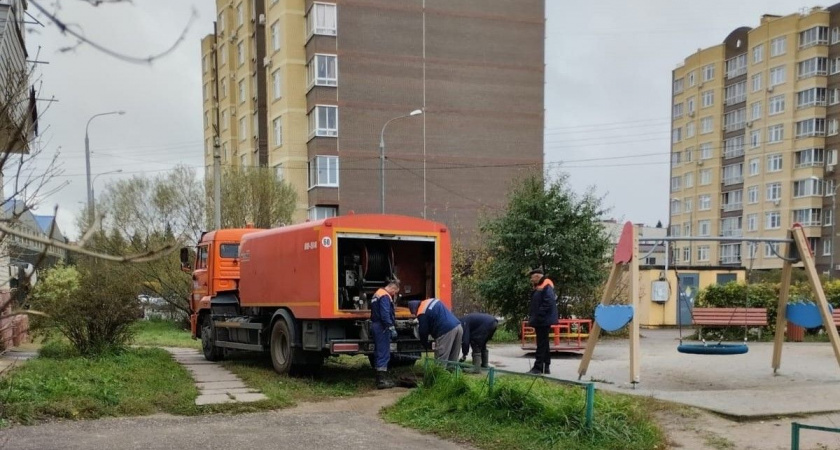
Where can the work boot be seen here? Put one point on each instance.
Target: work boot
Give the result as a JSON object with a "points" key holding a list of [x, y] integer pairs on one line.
{"points": [[383, 381], [485, 358], [546, 371], [476, 361], [536, 370]]}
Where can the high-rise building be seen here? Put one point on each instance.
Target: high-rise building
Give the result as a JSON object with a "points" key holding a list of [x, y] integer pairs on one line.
{"points": [[305, 88], [755, 140]]}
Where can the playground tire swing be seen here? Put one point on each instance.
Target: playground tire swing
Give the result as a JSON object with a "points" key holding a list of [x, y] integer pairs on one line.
{"points": [[614, 317]]}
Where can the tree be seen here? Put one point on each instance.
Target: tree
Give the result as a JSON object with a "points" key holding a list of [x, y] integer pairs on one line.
{"points": [[544, 225], [253, 195]]}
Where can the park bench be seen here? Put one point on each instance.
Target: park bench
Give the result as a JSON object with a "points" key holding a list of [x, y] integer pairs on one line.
{"points": [[723, 317]]}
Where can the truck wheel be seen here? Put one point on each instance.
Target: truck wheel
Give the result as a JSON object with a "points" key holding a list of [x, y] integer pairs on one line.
{"points": [[208, 340], [281, 347]]}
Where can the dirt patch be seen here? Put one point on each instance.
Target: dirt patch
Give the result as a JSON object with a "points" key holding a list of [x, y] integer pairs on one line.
{"points": [[692, 428]]}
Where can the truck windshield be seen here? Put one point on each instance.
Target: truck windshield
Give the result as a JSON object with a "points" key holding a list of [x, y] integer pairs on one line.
{"points": [[229, 251]]}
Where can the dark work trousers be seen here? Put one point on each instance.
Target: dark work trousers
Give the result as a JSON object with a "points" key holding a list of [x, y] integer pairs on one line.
{"points": [[543, 356], [480, 348], [381, 345]]}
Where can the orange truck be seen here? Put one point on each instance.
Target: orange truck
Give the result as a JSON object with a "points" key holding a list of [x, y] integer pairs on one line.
{"points": [[302, 292]]}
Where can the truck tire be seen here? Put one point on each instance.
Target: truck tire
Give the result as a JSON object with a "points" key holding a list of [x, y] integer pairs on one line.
{"points": [[398, 360], [208, 340], [282, 351]]}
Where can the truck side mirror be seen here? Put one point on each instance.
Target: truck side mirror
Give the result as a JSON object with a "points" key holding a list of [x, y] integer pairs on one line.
{"points": [[185, 259]]}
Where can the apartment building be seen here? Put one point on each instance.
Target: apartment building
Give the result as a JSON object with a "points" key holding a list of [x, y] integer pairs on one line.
{"points": [[305, 88], [755, 140]]}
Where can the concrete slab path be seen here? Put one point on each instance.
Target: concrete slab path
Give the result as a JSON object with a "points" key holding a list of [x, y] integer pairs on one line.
{"points": [[215, 383]]}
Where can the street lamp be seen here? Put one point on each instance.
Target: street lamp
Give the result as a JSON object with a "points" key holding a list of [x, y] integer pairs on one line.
{"points": [[93, 184], [87, 161], [416, 112]]}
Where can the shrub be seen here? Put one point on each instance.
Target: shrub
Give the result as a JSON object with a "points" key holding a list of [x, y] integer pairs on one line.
{"points": [[93, 307]]}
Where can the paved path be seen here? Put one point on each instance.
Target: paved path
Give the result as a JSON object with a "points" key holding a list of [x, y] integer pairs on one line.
{"points": [[215, 383], [742, 386], [17, 356], [351, 423]]}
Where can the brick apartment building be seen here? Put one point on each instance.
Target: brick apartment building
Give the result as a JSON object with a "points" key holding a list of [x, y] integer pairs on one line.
{"points": [[304, 88], [755, 140]]}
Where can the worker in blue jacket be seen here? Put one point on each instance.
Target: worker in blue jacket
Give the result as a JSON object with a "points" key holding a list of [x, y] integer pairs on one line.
{"points": [[383, 328], [437, 320], [542, 314], [479, 328]]}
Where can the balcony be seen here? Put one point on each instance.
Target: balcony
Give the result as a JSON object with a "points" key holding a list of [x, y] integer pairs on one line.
{"points": [[733, 180], [735, 259], [733, 153], [732, 207]]}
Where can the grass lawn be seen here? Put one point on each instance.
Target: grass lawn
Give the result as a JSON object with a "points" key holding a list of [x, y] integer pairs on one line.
{"points": [[134, 382], [163, 333], [525, 413]]}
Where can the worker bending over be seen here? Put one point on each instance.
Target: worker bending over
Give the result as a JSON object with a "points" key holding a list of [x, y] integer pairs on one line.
{"points": [[436, 320], [479, 328]]}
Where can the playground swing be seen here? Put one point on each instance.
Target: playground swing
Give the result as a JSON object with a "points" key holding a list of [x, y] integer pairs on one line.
{"points": [[704, 348]]}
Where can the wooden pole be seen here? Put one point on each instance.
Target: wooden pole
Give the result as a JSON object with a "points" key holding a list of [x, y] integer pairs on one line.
{"points": [[781, 316], [816, 286], [606, 298], [635, 292]]}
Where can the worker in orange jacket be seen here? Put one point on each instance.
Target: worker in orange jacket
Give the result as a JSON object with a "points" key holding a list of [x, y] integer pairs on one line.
{"points": [[383, 328], [542, 314]]}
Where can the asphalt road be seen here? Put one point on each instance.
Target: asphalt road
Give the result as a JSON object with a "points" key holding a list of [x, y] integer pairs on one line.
{"points": [[347, 424]]}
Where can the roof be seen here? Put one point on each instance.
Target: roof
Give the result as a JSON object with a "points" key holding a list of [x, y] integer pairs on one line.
{"points": [[44, 222]]}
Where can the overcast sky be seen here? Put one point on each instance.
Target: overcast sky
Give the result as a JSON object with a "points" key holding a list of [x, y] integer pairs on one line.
{"points": [[607, 93]]}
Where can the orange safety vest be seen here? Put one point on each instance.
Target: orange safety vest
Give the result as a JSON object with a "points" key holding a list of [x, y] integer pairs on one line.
{"points": [[545, 283], [426, 304], [379, 293]]}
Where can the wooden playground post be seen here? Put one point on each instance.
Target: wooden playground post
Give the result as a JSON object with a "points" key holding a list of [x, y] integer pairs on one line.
{"points": [[634, 323], [781, 311]]}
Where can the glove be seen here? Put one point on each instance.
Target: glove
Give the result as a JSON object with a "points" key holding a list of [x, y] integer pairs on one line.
{"points": [[393, 333]]}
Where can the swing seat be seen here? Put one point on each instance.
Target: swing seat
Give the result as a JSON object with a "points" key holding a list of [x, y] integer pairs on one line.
{"points": [[805, 314], [713, 349], [613, 317]]}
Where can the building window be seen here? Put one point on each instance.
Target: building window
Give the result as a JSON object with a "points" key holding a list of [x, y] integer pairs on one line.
{"points": [[777, 75], [772, 220], [827, 247], [676, 207], [243, 129], [706, 150], [322, 70], [835, 35], [678, 110], [778, 46], [704, 228], [811, 157], [828, 218], [676, 159], [689, 103], [222, 22], [754, 167], [829, 188], [771, 249], [275, 36], [676, 230], [735, 120], [752, 222], [834, 66], [692, 80], [225, 120], [704, 202], [756, 82], [810, 97], [755, 138], [224, 152], [832, 128], [322, 212], [276, 84], [752, 195], [705, 177], [278, 172], [735, 93], [676, 184], [730, 253], [736, 66], [678, 86], [810, 127], [686, 254], [708, 98], [833, 96], [224, 88], [733, 174], [774, 192], [708, 72], [733, 147], [240, 14], [277, 126], [755, 109], [206, 119], [812, 67], [813, 36], [732, 200], [241, 86], [240, 53], [776, 105], [243, 160], [703, 253], [688, 180], [321, 19], [706, 125], [323, 121], [808, 188], [223, 52], [774, 162], [688, 205], [323, 171], [809, 217], [831, 158], [775, 133], [689, 130], [758, 53], [731, 226], [676, 135]]}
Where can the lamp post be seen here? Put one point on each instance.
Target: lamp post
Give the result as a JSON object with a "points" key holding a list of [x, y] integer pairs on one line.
{"points": [[93, 184], [416, 112], [87, 162]]}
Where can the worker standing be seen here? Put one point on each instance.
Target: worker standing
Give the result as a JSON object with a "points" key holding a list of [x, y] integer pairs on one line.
{"points": [[542, 313], [436, 320], [479, 329], [383, 327]]}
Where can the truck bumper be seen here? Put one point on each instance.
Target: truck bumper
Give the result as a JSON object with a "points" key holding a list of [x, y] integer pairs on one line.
{"points": [[358, 346]]}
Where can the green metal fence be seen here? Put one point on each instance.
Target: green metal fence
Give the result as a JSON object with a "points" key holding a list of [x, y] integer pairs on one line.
{"points": [[796, 427], [491, 373]]}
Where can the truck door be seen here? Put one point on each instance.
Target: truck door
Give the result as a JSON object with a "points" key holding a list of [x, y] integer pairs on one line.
{"points": [[201, 275]]}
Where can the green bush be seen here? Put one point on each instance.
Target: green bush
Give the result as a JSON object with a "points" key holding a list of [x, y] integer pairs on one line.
{"points": [[93, 308]]}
